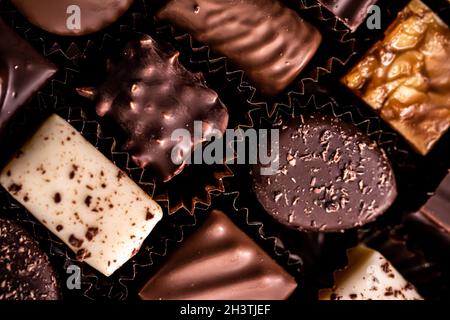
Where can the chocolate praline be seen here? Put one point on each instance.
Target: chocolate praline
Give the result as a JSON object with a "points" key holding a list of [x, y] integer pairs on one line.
{"points": [[151, 96], [22, 72], [219, 262], [25, 271], [62, 16], [351, 12], [405, 77], [332, 177]]}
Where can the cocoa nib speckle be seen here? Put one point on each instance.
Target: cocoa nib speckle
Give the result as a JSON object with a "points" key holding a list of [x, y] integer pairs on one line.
{"points": [[149, 215], [83, 254], [385, 267], [59, 227], [120, 175], [88, 201], [91, 233], [15, 188], [57, 197], [74, 241]]}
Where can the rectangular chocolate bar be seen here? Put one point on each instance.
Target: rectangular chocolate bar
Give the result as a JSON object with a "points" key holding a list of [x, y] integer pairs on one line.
{"points": [[351, 12], [22, 72], [81, 196], [267, 40], [219, 262], [406, 76]]}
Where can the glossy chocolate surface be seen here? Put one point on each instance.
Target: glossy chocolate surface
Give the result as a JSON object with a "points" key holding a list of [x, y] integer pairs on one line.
{"points": [[149, 94], [350, 12], [270, 42], [406, 77], [437, 209], [332, 177], [219, 262], [58, 16], [432, 221], [22, 72]]}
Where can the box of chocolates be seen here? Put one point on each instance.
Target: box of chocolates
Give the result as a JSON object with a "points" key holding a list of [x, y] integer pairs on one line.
{"points": [[224, 150]]}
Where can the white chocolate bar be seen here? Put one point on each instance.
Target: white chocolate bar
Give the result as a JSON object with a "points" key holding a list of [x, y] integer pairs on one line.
{"points": [[369, 276], [81, 196]]}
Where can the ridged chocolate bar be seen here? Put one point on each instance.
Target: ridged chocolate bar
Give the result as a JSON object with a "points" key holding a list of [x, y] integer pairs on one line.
{"points": [[269, 41], [405, 77]]}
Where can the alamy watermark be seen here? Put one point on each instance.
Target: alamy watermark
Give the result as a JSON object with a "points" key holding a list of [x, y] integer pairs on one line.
{"points": [[373, 18], [238, 146], [73, 281]]}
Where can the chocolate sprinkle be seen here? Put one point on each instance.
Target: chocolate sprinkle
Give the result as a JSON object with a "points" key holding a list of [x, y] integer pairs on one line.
{"points": [[25, 271], [332, 177]]}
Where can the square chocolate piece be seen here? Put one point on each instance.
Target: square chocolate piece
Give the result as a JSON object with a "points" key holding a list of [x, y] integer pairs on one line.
{"points": [[22, 72], [406, 76]]}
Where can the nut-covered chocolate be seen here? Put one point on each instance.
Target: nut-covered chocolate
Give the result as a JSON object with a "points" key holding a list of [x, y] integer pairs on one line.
{"points": [[25, 271], [81, 196], [149, 94], [219, 262], [406, 76], [267, 40], [332, 177], [22, 72]]}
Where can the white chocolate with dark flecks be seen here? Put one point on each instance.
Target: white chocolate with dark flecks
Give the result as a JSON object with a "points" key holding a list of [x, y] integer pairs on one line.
{"points": [[81, 196], [369, 276]]}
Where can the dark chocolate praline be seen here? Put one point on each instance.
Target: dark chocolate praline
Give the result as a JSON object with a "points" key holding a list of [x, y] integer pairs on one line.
{"points": [[25, 270], [332, 177]]}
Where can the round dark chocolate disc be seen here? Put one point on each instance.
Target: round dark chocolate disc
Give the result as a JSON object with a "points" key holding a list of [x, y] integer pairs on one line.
{"points": [[332, 177], [25, 271], [72, 17]]}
